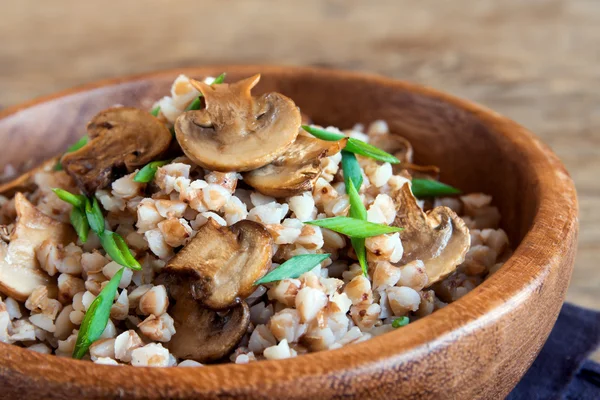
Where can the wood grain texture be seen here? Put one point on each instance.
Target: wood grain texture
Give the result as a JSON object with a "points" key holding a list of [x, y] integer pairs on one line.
{"points": [[477, 347]]}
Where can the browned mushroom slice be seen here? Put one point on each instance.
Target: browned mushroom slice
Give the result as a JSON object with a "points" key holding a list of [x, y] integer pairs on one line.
{"points": [[439, 237], [221, 264], [296, 170], [24, 182], [205, 335], [236, 131], [402, 149], [394, 144], [19, 268], [121, 140]]}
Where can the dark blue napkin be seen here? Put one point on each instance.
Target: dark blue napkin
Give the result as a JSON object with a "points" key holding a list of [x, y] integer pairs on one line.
{"points": [[562, 371]]}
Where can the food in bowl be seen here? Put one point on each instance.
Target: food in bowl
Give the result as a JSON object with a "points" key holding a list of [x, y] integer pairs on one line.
{"points": [[224, 226]]}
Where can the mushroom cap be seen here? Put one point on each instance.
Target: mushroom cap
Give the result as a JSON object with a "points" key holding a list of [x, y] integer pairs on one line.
{"points": [[439, 237], [236, 131], [220, 264], [205, 335], [121, 139], [24, 182], [19, 269], [294, 171]]}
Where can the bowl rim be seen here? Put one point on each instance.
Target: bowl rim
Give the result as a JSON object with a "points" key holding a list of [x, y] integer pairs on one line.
{"points": [[364, 357]]}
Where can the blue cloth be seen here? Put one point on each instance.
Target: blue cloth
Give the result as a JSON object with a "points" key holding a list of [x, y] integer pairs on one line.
{"points": [[562, 369]]}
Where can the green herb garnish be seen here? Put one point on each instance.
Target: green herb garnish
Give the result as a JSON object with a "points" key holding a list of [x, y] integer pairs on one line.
{"points": [[147, 173], [430, 188], [197, 103], [155, 111], [77, 216], [353, 227], [96, 317], [324, 134], [351, 169], [76, 200], [117, 249], [74, 147], [94, 215], [293, 268], [86, 214], [357, 210], [400, 322], [80, 223], [352, 145]]}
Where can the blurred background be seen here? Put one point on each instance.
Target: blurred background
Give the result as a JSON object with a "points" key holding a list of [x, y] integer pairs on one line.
{"points": [[535, 61]]}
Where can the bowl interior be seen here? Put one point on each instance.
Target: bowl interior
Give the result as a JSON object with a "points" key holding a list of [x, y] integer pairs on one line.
{"points": [[471, 156]]}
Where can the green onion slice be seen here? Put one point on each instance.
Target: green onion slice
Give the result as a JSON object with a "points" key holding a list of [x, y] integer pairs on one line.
{"points": [[352, 145], [357, 210], [96, 317], [400, 322], [147, 173], [76, 200], [353, 227], [80, 223], [117, 249], [293, 268], [352, 170], [429, 188]]}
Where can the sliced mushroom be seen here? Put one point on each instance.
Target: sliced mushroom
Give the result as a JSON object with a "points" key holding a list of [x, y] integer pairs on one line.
{"points": [[205, 335], [236, 131], [121, 140], [402, 149], [296, 170], [220, 265], [24, 182], [439, 237], [19, 269], [394, 144]]}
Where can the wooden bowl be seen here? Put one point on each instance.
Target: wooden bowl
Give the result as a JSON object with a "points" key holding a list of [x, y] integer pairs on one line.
{"points": [[477, 347]]}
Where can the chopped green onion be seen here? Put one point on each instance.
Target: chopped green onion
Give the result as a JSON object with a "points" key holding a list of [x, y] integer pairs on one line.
{"points": [[80, 223], [293, 268], [126, 253], [147, 173], [357, 207], [430, 188], [353, 227], [96, 317], [219, 79], [351, 169], [75, 146], [155, 111], [94, 215], [87, 214], [197, 103], [368, 150], [358, 210], [352, 145], [117, 249], [400, 322], [323, 134], [76, 200]]}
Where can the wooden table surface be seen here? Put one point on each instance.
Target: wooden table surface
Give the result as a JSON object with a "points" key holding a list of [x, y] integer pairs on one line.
{"points": [[535, 61]]}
